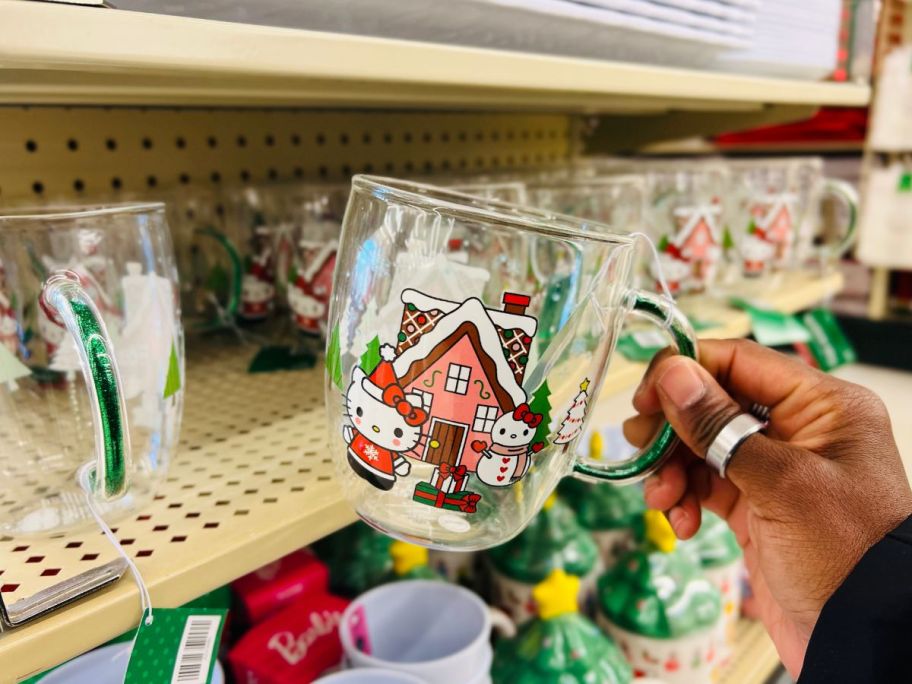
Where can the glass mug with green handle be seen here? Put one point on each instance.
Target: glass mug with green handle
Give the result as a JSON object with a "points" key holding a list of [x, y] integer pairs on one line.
{"points": [[208, 260], [775, 209], [449, 425], [91, 362]]}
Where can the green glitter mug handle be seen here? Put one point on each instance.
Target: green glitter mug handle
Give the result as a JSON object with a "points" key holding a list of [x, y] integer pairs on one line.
{"points": [[848, 195], [665, 314], [65, 298], [237, 271]]}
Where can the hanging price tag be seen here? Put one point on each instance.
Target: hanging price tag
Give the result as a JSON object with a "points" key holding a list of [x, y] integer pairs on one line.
{"points": [[179, 647], [828, 344], [773, 328]]}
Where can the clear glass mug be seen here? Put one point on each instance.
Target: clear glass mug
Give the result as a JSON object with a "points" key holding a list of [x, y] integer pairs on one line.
{"points": [[776, 215], [208, 260], [686, 220], [91, 362], [450, 423]]}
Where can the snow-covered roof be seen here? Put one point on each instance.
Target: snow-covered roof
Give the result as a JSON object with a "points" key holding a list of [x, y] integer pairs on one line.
{"points": [[474, 312], [506, 321], [695, 214], [775, 204], [318, 260]]}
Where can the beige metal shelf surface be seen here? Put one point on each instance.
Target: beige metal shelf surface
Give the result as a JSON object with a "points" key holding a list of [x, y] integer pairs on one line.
{"points": [[248, 486], [754, 659], [55, 54]]}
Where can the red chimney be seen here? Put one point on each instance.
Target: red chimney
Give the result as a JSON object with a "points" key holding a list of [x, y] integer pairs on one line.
{"points": [[515, 303]]}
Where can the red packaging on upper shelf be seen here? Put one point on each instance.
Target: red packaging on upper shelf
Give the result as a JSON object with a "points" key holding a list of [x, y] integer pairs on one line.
{"points": [[276, 585]]}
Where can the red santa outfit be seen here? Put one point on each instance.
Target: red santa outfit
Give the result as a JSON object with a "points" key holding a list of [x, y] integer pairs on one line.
{"points": [[374, 458], [376, 464]]}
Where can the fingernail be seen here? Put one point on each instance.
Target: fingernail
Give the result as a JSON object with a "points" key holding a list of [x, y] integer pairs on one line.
{"points": [[682, 385], [638, 391], [677, 516]]}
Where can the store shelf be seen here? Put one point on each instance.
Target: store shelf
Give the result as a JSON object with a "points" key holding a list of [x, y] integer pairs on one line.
{"points": [[754, 660], [702, 146], [247, 487], [793, 292], [55, 54], [252, 482]]}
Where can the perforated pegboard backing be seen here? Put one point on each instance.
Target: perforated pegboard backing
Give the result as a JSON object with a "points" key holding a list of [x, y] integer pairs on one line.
{"points": [[54, 152]]}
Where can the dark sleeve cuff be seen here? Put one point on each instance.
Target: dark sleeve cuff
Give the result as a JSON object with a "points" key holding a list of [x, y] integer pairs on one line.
{"points": [[864, 632]]}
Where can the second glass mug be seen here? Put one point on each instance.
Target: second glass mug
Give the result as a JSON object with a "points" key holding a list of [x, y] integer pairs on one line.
{"points": [[450, 423], [91, 362]]}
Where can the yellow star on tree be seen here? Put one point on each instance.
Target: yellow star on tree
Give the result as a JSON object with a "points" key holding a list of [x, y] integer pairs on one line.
{"points": [[406, 557], [659, 531], [584, 385], [557, 595]]}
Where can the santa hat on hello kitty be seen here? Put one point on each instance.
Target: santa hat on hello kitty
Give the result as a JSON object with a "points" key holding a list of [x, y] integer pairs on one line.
{"points": [[383, 375]]}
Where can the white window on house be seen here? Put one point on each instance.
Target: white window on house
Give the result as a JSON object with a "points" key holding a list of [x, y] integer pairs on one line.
{"points": [[457, 379], [484, 418], [426, 398]]}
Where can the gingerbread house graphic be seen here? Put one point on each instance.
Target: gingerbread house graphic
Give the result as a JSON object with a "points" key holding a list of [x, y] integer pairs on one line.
{"points": [[697, 238], [313, 284], [772, 215], [467, 362]]}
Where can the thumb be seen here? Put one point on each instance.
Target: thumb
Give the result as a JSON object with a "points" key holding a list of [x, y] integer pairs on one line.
{"points": [[698, 408]]}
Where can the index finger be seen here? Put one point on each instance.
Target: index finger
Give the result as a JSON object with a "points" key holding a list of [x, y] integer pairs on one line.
{"points": [[745, 369]]}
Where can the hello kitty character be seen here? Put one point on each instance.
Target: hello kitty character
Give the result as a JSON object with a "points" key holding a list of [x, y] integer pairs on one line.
{"points": [[386, 423], [508, 458], [257, 285], [9, 328], [257, 294], [308, 311]]}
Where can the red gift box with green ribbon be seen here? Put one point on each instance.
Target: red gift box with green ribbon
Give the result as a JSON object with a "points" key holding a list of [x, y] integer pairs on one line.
{"points": [[463, 502]]}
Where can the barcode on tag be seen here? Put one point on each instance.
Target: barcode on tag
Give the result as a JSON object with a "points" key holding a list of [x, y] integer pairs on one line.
{"points": [[649, 339], [196, 646]]}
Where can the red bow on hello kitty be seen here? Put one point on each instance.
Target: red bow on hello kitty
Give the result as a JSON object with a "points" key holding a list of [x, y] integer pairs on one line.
{"points": [[523, 413], [395, 397]]}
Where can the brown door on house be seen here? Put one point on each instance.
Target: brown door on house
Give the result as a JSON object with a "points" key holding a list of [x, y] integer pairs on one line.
{"points": [[444, 443]]}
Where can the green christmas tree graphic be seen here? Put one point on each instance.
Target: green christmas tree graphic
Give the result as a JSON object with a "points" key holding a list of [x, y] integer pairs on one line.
{"points": [[541, 404], [371, 356], [173, 379], [334, 358]]}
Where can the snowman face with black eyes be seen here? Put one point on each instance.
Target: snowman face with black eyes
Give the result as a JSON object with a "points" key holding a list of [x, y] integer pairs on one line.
{"points": [[510, 431]]}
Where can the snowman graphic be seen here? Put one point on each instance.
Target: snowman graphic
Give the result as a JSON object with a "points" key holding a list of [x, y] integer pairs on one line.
{"points": [[506, 460], [386, 423]]}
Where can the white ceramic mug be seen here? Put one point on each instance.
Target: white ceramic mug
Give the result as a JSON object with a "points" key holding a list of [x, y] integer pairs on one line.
{"points": [[369, 675], [438, 632]]}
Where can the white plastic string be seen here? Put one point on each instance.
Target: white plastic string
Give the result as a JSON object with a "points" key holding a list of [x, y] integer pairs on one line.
{"points": [[144, 598], [660, 274]]}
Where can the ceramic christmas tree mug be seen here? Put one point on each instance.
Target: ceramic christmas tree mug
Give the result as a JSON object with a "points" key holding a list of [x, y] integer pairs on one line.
{"points": [[451, 420], [91, 362]]}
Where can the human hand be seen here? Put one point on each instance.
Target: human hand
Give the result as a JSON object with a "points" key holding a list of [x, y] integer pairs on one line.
{"points": [[806, 500]]}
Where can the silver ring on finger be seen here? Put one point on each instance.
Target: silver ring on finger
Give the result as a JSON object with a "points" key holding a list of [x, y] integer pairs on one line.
{"points": [[730, 437]]}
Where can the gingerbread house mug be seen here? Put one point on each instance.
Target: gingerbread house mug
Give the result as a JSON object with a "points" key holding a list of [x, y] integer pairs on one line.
{"points": [[777, 209], [451, 421]]}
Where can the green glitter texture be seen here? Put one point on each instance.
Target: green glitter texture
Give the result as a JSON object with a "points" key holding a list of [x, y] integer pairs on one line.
{"points": [[659, 310]]}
